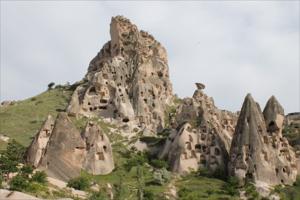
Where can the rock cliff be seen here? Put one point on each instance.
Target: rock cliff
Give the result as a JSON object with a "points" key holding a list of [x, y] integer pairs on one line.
{"points": [[201, 135], [127, 81]]}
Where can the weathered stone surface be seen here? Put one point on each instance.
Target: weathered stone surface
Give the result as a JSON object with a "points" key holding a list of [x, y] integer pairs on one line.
{"points": [[202, 137], [99, 157], [274, 116], [37, 148], [62, 151], [65, 151], [128, 80], [257, 154]]}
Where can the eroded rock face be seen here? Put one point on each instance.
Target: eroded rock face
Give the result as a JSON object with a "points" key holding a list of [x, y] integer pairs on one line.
{"points": [[258, 153], [202, 137], [67, 151], [99, 157], [128, 80], [37, 148]]}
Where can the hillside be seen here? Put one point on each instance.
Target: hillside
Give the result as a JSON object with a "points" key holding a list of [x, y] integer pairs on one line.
{"points": [[22, 120]]}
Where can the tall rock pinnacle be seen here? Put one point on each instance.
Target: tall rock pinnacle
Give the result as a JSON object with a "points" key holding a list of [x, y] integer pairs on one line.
{"points": [[255, 155], [127, 81]]}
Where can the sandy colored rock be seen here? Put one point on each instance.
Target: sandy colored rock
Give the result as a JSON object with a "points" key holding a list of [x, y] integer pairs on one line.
{"points": [[257, 154], [65, 151], [202, 137], [127, 81], [37, 148], [99, 157]]}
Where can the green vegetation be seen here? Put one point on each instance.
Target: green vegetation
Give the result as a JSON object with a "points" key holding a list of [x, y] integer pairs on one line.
{"points": [[79, 183], [292, 133], [39, 177], [194, 187], [289, 192], [22, 120]]}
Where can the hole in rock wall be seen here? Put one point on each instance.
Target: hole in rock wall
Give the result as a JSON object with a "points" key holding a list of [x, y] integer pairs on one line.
{"points": [[217, 151], [100, 155], [92, 91], [105, 148], [188, 145], [126, 119], [272, 127], [103, 101]]}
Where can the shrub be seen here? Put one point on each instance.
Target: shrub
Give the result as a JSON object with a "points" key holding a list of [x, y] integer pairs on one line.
{"points": [[79, 183], [26, 170], [18, 183], [98, 196], [136, 160], [231, 187], [161, 176], [40, 177], [159, 163], [149, 195]]}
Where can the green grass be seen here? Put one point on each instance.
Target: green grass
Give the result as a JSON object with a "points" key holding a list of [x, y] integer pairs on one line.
{"points": [[193, 187], [22, 120]]}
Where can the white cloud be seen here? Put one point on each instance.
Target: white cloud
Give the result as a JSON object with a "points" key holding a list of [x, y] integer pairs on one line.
{"points": [[232, 47]]}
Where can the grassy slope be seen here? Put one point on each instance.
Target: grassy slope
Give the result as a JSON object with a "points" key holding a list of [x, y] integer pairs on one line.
{"points": [[197, 188], [22, 120]]}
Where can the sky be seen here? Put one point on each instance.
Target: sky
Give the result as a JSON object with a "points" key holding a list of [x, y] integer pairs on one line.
{"points": [[233, 47]]}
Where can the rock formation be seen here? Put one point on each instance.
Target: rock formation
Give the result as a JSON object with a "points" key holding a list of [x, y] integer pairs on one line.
{"points": [[259, 152], [62, 151], [38, 145], [203, 137], [99, 157], [65, 150], [128, 80]]}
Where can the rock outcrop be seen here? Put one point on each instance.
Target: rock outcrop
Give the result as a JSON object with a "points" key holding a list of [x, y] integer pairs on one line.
{"points": [[37, 148], [99, 157], [258, 150], [68, 151], [127, 81], [65, 150], [203, 135]]}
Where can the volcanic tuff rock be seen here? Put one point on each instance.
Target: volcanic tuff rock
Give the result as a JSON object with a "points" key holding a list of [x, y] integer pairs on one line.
{"points": [[259, 152], [62, 151], [128, 80], [203, 135], [37, 148], [99, 157]]}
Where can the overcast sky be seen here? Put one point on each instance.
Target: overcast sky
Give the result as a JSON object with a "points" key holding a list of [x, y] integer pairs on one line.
{"points": [[234, 48]]}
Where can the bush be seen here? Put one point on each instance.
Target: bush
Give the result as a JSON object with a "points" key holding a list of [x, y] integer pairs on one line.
{"points": [[161, 176], [251, 192], [136, 160], [18, 183], [26, 170], [79, 183], [98, 196], [231, 187], [11, 157], [39, 177], [159, 163]]}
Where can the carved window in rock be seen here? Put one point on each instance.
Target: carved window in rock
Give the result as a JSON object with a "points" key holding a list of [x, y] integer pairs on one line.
{"points": [[217, 151], [92, 91], [266, 141], [188, 145], [190, 138], [202, 160], [100, 156]]}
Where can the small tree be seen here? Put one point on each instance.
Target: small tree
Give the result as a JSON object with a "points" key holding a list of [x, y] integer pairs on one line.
{"points": [[79, 183], [50, 85], [18, 183], [40, 177]]}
